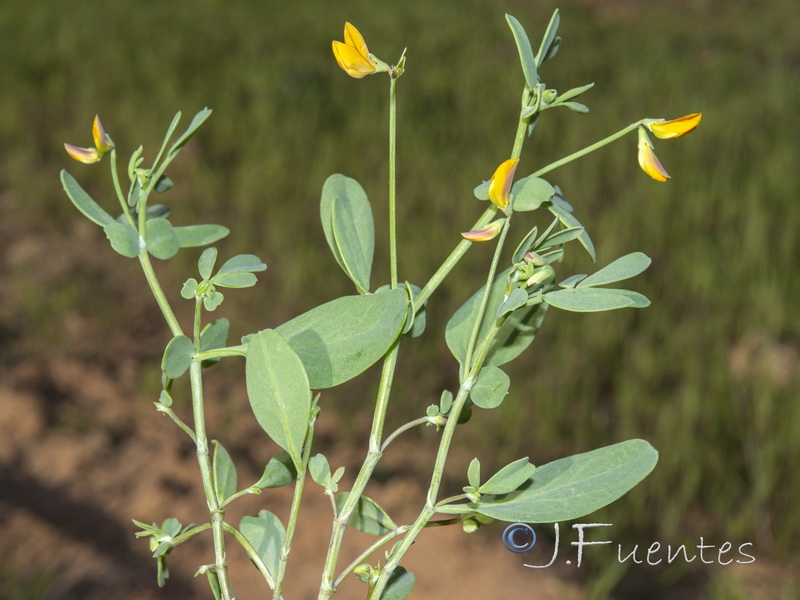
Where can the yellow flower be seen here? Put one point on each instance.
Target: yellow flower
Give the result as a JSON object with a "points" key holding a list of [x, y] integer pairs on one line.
{"points": [[353, 56], [500, 183], [667, 130], [102, 144], [648, 159], [485, 233]]}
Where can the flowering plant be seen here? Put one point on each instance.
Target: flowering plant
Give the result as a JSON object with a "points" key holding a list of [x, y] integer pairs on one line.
{"points": [[337, 341]]}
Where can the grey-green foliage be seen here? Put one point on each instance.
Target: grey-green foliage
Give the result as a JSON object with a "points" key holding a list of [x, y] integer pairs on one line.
{"points": [[342, 338], [266, 534], [223, 473], [349, 228], [570, 487], [367, 516], [278, 390]]}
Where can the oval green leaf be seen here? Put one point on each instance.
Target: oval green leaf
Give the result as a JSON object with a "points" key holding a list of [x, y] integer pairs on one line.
{"points": [[573, 487], [124, 239], [342, 338], [588, 299], [623, 268], [526, 56], [223, 473], [367, 516], [161, 239], [530, 193], [509, 478], [193, 236], [83, 202], [280, 471], [266, 534], [278, 390], [490, 389], [177, 356]]}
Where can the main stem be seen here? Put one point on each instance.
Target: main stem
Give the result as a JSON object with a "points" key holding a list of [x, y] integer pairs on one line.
{"points": [[393, 179]]}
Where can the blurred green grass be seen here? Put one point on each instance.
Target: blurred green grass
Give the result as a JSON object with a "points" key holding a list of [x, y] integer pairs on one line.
{"points": [[708, 374]]}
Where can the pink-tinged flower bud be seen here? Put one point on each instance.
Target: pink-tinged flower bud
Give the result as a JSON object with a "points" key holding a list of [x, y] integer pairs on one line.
{"points": [[84, 155], [668, 130], [485, 233], [500, 183], [102, 143], [535, 258], [648, 159]]}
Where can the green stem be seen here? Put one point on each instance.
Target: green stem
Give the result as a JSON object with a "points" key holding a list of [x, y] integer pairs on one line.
{"points": [[327, 587], [476, 328], [118, 188], [204, 461], [171, 414], [588, 149], [240, 350], [403, 428], [393, 180], [429, 509], [294, 512]]}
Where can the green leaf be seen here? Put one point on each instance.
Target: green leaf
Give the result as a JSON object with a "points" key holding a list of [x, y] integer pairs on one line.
{"points": [[189, 289], [568, 220], [213, 302], [163, 184], [83, 202], [575, 107], [235, 280], [530, 193], [399, 586], [355, 252], [509, 478], [266, 534], [177, 356], [548, 39], [278, 390], [526, 57], [342, 338], [280, 471], [320, 470], [193, 236], [445, 402], [572, 280], [524, 245], [490, 388], [205, 264], [347, 221], [161, 239], [124, 239], [515, 335], [223, 473], [197, 121], [242, 263], [560, 237], [367, 516], [588, 299], [575, 92], [570, 487], [474, 473], [623, 268], [481, 190], [517, 298]]}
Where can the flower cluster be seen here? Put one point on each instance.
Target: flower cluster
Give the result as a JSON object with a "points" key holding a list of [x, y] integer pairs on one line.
{"points": [[666, 130]]}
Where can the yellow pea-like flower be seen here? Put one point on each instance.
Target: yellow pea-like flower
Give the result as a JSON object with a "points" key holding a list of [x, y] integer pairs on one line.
{"points": [[668, 130], [500, 183], [353, 56], [484, 234], [102, 144], [648, 159]]}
